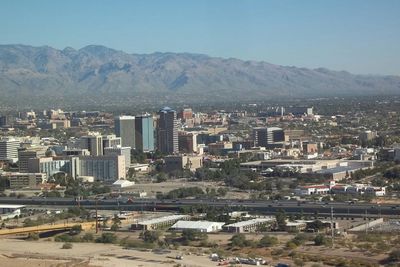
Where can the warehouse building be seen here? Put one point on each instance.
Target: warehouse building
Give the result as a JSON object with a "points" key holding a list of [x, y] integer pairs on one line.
{"points": [[249, 226], [159, 223], [200, 226]]}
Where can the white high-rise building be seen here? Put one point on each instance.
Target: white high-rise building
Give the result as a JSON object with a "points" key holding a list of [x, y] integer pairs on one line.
{"points": [[9, 149]]}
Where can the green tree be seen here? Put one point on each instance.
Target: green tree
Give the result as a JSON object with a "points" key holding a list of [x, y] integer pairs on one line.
{"points": [[281, 220], [106, 238], [150, 236], [239, 240], [320, 240], [267, 241]]}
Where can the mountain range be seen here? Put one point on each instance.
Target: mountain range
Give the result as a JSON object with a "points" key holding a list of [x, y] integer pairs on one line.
{"points": [[93, 70]]}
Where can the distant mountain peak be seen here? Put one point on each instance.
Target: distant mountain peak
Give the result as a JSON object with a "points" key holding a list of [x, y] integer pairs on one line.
{"points": [[96, 68]]}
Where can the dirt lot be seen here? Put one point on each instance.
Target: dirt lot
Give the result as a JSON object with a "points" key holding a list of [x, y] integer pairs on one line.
{"points": [[164, 187], [44, 253]]}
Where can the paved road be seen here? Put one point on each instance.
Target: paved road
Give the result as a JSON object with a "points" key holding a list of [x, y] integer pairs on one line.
{"points": [[265, 206]]}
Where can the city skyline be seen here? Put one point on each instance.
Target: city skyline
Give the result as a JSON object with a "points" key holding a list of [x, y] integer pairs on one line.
{"points": [[357, 36]]}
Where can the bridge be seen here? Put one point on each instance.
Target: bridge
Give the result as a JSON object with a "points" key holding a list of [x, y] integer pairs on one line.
{"points": [[46, 228]]}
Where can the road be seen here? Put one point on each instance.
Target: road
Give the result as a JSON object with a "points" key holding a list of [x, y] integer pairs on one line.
{"points": [[263, 206]]}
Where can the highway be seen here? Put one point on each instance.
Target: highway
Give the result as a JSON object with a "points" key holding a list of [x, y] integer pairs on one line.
{"points": [[263, 206]]}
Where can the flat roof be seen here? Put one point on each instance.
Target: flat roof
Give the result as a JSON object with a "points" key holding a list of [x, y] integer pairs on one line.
{"points": [[339, 169], [11, 206], [195, 224], [250, 222], [162, 219]]}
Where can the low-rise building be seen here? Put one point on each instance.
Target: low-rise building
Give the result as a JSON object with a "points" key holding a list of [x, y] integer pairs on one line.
{"points": [[200, 226], [22, 180], [159, 223], [183, 162], [249, 225]]}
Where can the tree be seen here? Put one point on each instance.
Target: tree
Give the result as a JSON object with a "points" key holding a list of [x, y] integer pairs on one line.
{"points": [[222, 191], [316, 225], [239, 240], [320, 240], [150, 236], [161, 177], [193, 235], [267, 241], [281, 220], [76, 229], [106, 238]]}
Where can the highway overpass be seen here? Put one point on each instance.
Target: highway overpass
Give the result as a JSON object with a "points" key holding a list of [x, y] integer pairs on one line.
{"points": [[262, 206], [46, 228]]}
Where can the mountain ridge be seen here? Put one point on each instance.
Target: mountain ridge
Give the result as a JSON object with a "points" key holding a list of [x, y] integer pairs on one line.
{"points": [[98, 69]]}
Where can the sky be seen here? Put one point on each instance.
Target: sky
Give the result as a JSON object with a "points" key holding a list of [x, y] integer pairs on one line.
{"points": [[360, 36]]}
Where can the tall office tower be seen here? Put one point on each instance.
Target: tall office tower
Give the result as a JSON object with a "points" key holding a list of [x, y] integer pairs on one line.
{"points": [[93, 143], [144, 132], [25, 154], [3, 121], [167, 131], [269, 137], [125, 128], [9, 149]]}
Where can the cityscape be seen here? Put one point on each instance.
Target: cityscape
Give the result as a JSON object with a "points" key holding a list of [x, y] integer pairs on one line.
{"points": [[113, 158]]}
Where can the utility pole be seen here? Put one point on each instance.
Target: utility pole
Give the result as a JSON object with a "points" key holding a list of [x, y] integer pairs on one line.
{"points": [[97, 219], [332, 231]]}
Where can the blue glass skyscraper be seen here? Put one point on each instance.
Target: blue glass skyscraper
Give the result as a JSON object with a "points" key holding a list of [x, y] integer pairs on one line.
{"points": [[144, 132]]}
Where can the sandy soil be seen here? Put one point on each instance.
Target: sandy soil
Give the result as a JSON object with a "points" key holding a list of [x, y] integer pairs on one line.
{"points": [[43, 253]]}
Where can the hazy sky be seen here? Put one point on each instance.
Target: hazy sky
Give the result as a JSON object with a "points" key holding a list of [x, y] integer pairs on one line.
{"points": [[360, 36]]}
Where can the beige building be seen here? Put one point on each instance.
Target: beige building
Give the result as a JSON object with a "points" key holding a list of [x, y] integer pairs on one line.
{"points": [[216, 148], [21, 180], [30, 153], [60, 124], [181, 162]]}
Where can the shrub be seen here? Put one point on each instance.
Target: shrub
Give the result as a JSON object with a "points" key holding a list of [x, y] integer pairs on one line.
{"points": [[239, 240], [106, 238], [267, 241], [88, 237], [66, 246], [395, 255], [76, 229], [320, 240], [291, 245], [33, 236], [63, 238]]}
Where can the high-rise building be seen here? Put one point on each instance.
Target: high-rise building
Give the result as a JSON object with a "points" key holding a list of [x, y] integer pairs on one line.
{"points": [[93, 143], [167, 131], [144, 132], [125, 128], [9, 149], [120, 151], [269, 137], [3, 121], [103, 168], [187, 142], [111, 140], [30, 153]]}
